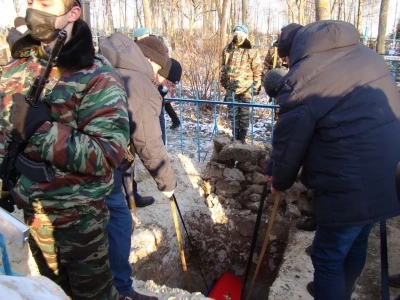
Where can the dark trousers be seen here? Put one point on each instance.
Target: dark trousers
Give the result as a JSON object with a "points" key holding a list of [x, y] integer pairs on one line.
{"points": [[171, 113], [119, 238], [338, 256]]}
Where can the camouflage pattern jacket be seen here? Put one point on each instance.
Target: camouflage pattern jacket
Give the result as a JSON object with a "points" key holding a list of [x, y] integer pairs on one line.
{"points": [[269, 63], [89, 133], [241, 67]]}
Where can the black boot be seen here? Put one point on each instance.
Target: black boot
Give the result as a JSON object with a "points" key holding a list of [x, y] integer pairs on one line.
{"points": [[172, 114], [242, 135]]}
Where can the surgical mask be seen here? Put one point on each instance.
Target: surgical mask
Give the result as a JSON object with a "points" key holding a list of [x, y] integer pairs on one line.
{"points": [[238, 38], [42, 25]]}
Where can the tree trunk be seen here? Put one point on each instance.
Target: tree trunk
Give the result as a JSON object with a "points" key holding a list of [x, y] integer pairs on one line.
{"points": [[300, 9], [110, 19], [359, 15], [147, 14], [383, 14], [322, 11], [245, 11], [17, 7], [224, 22], [291, 12]]}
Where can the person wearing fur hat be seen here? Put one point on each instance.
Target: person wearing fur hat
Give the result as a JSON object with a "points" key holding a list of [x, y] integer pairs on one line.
{"points": [[241, 72], [341, 134]]}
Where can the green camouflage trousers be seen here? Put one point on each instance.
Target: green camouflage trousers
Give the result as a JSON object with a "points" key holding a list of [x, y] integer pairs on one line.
{"points": [[75, 256], [242, 113]]}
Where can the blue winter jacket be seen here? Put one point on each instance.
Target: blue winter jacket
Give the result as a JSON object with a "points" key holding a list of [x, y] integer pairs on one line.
{"points": [[339, 119]]}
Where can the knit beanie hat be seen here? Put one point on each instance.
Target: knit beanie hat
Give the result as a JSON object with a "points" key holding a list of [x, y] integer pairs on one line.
{"points": [[271, 81], [286, 39], [241, 28], [175, 72], [19, 21], [139, 32], [153, 48]]}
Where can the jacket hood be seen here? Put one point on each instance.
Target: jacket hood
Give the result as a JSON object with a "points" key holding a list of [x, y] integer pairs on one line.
{"points": [[322, 36], [123, 53]]}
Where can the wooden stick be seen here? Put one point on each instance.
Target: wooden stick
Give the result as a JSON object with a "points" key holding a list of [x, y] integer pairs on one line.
{"points": [[266, 239], [275, 57], [180, 246]]}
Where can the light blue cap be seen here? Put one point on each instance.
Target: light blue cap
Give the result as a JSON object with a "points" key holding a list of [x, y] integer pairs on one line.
{"points": [[140, 31], [241, 28]]}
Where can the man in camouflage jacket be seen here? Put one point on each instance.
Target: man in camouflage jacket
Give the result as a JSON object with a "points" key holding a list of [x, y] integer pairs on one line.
{"points": [[81, 130], [240, 74], [268, 64]]}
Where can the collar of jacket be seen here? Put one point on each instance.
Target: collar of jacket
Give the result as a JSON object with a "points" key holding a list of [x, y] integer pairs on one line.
{"points": [[77, 53], [245, 45]]}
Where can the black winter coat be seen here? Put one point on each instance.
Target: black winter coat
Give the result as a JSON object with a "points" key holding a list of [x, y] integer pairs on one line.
{"points": [[339, 118]]}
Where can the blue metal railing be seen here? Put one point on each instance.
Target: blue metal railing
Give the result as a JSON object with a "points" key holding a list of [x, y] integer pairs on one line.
{"points": [[199, 137]]}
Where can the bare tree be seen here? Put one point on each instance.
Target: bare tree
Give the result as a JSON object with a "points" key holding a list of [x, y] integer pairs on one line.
{"points": [[322, 10], [147, 14], [360, 15], [109, 16], [17, 6], [245, 11], [224, 21], [300, 8], [291, 13], [383, 14]]}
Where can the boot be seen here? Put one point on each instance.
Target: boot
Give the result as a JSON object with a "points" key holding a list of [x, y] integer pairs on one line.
{"points": [[242, 135], [394, 280], [143, 201], [310, 288], [172, 114], [307, 224]]}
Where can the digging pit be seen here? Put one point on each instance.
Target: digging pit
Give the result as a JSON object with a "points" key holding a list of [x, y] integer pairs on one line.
{"points": [[219, 201]]}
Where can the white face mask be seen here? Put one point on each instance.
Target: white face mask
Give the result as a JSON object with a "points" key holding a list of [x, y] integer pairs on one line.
{"points": [[239, 37]]}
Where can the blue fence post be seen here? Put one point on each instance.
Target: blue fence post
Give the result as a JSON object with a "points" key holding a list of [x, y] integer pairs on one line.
{"points": [[252, 114], [4, 254], [273, 120], [180, 117], [198, 124], [215, 129], [233, 116]]}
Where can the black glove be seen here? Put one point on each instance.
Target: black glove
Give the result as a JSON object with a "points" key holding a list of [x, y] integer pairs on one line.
{"points": [[163, 90], [7, 203], [27, 119]]}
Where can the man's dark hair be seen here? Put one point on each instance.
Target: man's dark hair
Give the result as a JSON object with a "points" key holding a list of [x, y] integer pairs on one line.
{"points": [[70, 4]]}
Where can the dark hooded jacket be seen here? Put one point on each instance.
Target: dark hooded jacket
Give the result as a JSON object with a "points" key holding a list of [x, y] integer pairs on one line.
{"points": [[339, 118], [145, 105]]}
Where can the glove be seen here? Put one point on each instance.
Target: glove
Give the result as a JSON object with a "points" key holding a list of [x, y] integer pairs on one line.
{"points": [[7, 203], [27, 119], [163, 90], [168, 194]]}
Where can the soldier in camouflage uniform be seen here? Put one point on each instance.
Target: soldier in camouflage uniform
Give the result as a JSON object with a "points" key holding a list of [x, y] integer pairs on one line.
{"points": [[81, 130], [269, 61], [241, 70]]}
